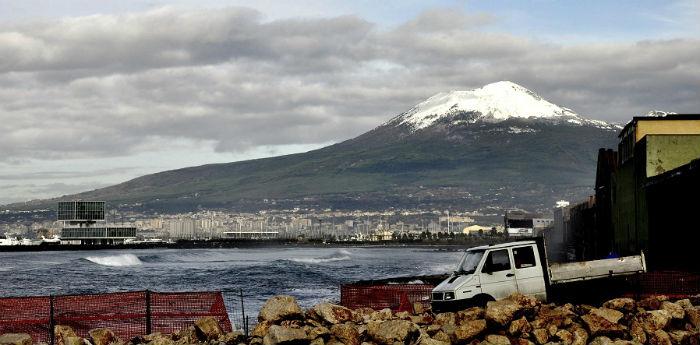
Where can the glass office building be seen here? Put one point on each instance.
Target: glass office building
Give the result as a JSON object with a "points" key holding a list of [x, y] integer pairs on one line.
{"points": [[76, 211]]}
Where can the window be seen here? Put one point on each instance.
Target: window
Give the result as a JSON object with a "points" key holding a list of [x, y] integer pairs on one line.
{"points": [[524, 257], [497, 260]]}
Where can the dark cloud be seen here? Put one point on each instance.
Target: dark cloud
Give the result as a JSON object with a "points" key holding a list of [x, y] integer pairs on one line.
{"points": [[113, 85]]}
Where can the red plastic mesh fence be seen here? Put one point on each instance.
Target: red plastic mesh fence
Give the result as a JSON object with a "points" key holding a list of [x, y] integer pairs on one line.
{"points": [[673, 284], [397, 297], [127, 314], [172, 312], [26, 315]]}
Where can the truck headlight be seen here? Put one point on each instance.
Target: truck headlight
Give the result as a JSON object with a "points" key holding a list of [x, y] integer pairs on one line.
{"points": [[449, 295]]}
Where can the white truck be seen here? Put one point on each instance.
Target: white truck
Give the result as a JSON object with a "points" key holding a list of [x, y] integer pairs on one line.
{"points": [[493, 272]]}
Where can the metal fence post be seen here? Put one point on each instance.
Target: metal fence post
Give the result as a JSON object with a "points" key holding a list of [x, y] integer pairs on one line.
{"points": [[243, 318], [148, 311], [52, 322]]}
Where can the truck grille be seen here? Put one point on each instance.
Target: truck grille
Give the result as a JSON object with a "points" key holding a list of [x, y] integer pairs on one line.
{"points": [[437, 296]]}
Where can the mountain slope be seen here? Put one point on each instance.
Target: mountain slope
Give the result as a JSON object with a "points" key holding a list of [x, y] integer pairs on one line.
{"points": [[500, 145]]}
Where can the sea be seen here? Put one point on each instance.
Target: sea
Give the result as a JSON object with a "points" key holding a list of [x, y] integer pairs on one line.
{"points": [[311, 274]]}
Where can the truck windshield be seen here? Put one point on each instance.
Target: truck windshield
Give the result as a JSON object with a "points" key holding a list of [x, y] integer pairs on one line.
{"points": [[469, 261]]}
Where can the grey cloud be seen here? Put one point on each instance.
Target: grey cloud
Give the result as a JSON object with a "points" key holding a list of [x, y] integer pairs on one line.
{"points": [[114, 85]]}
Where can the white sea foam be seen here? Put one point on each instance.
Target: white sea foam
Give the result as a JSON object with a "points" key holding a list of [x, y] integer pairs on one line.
{"points": [[116, 260], [340, 255]]}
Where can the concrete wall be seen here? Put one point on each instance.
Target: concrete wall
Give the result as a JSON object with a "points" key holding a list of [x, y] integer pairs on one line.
{"points": [[667, 152], [662, 126]]}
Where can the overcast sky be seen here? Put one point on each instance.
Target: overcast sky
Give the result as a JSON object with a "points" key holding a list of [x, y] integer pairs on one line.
{"points": [[94, 93]]}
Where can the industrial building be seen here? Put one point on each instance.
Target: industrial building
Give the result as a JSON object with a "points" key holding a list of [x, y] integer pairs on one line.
{"points": [[84, 224]]}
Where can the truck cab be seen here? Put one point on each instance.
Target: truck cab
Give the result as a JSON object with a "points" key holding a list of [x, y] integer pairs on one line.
{"points": [[487, 273]]}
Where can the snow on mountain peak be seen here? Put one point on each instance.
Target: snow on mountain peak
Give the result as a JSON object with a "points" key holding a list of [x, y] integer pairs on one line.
{"points": [[494, 102]]}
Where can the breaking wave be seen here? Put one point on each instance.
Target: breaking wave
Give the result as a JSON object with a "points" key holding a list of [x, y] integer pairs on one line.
{"points": [[116, 260], [340, 255]]}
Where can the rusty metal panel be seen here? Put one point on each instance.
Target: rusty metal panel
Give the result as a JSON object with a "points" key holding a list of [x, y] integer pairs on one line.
{"points": [[596, 269]]}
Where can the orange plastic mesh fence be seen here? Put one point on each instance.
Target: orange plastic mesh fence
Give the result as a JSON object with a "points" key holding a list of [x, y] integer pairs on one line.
{"points": [[397, 297], [127, 314]]}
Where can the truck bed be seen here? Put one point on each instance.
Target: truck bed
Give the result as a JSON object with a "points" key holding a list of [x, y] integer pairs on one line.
{"points": [[595, 269]]}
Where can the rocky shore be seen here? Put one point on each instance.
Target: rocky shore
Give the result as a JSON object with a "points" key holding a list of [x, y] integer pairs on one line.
{"points": [[517, 320]]}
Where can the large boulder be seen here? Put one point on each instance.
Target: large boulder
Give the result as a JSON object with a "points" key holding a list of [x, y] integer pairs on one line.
{"points": [[469, 330], [519, 326], [61, 332], [15, 339], [285, 335], [598, 325], [660, 337], [208, 328], [392, 331], [331, 313], [496, 339], [102, 336], [652, 302], [611, 315], [541, 336], [580, 337], [565, 337], [503, 311], [231, 338], [654, 320], [637, 332], [346, 333], [471, 314], [446, 318], [621, 304], [675, 310], [553, 316], [692, 314], [279, 308]]}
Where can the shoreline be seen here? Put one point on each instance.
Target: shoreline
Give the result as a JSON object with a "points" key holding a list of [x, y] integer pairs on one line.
{"points": [[234, 244]]}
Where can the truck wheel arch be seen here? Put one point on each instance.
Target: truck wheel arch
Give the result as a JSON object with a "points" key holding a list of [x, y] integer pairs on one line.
{"points": [[481, 299]]}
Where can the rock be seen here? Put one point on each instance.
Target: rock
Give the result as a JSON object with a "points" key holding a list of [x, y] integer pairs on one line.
{"points": [[158, 339], [637, 332], [676, 311], [389, 332], [556, 316], [522, 341], [333, 314], [317, 341], [15, 339], [497, 339], [208, 328], [318, 332], [446, 319], [693, 316], [685, 303], [102, 336], [541, 336], [469, 330], [611, 315], [418, 308], [580, 337], [261, 329], [602, 340], [61, 332], [431, 341], [652, 303], [621, 304], [654, 320], [284, 335], [660, 337], [519, 326], [679, 336], [598, 325], [442, 336], [566, 337], [186, 335], [279, 308], [503, 311], [424, 319], [471, 314], [381, 315], [346, 333], [75, 341], [231, 338]]}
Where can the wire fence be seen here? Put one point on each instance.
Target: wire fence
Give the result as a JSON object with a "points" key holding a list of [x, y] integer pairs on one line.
{"points": [[397, 297], [127, 314]]}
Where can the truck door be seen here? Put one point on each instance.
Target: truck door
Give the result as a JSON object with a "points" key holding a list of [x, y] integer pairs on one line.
{"points": [[497, 276], [528, 272]]}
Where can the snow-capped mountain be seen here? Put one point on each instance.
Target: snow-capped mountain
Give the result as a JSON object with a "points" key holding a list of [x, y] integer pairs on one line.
{"points": [[497, 146], [493, 103]]}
